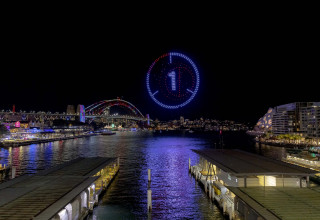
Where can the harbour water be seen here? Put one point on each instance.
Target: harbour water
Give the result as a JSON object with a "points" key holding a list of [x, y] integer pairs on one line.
{"points": [[175, 194]]}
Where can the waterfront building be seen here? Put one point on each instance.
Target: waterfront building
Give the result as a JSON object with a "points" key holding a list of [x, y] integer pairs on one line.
{"points": [[310, 120], [266, 121], [67, 191], [250, 186], [299, 118], [286, 119]]}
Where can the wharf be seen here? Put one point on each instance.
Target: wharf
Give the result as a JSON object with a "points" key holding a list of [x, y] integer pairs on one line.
{"points": [[67, 191], [250, 186], [282, 202]]}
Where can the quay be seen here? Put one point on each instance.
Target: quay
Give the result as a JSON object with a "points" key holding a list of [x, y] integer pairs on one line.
{"points": [[250, 186], [306, 162], [66, 191], [13, 143]]}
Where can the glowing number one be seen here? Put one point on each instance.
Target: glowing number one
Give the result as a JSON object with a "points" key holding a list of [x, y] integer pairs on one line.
{"points": [[172, 75]]}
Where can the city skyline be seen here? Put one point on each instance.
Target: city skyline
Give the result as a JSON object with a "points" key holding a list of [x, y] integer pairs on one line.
{"points": [[244, 69]]}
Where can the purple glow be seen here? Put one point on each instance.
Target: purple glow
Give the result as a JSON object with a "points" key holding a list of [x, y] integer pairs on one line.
{"points": [[172, 187]]}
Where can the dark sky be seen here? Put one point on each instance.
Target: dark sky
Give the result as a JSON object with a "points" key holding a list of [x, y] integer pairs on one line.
{"points": [[247, 63]]}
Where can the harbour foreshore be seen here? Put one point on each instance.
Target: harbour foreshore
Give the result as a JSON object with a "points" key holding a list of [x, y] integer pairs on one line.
{"points": [[21, 142]]}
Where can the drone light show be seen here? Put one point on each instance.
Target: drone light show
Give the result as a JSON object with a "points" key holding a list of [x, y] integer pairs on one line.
{"points": [[172, 80]]}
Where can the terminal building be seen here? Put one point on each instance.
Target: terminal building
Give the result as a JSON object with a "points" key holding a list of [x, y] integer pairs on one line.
{"points": [[250, 186], [66, 191]]}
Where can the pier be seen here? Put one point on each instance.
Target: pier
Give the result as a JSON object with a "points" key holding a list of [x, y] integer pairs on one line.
{"points": [[66, 191], [250, 186]]}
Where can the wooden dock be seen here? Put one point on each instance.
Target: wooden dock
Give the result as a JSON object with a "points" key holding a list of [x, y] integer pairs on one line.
{"points": [[67, 191]]}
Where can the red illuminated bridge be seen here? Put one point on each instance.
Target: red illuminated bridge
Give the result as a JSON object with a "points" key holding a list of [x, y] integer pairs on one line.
{"points": [[114, 109]]}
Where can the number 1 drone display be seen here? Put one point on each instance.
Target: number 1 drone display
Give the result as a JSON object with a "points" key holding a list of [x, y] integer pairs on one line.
{"points": [[173, 80]]}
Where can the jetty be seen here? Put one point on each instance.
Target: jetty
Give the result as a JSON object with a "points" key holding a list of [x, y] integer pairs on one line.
{"points": [[250, 186], [66, 191]]}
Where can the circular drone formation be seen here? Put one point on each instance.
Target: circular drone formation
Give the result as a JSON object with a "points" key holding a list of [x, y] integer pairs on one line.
{"points": [[173, 80]]}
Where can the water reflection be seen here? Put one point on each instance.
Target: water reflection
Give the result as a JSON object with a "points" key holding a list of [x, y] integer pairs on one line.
{"points": [[174, 192], [172, 188]]}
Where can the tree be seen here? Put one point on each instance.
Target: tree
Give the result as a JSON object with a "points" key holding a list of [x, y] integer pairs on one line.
{"points": [[297, 138]]}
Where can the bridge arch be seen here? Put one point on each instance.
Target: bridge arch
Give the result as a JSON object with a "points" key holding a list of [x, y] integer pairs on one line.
{"points": [[98, 108]]}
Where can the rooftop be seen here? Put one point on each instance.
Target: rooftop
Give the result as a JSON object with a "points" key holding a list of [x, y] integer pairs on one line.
{"points": [[48, 191], [282, 202], [241, 163]]}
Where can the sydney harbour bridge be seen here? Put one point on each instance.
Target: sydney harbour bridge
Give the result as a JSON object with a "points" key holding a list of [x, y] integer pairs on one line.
{"points": [[113, 111], [125, 111]]}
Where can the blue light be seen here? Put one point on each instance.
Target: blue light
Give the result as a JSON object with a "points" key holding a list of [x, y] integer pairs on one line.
{"points": [[189, 90], [172, 75], [173, 82], [155, 92]]}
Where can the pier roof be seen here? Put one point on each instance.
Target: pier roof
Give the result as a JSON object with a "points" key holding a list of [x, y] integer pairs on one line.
{"points": [[241, 163], [282, 202], [49, 191]]}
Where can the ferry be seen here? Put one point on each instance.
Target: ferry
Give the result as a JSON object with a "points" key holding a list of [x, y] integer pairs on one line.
{"points": [[107, 132]]}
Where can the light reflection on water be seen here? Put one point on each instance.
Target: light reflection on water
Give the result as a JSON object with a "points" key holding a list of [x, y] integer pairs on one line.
{"points": [[175, 194]]}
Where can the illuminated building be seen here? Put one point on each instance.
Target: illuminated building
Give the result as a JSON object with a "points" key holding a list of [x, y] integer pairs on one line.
{"points": [[248, 186], [310, 120], [286, 119], [266, 121], [302, 118]]}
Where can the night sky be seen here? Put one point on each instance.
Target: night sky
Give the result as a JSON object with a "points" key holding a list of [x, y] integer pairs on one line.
{"points": [[246, 64]]}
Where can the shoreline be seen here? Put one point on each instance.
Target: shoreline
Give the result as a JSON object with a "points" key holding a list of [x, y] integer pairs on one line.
{"points": [[256, 135], [29, 142], [289, 145]]}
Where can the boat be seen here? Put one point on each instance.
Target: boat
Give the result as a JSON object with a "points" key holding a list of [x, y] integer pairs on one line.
{"points": [[107, 132]]}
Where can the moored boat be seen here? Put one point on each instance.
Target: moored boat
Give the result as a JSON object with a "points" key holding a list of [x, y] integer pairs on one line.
{"points": [[108, 132]]}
